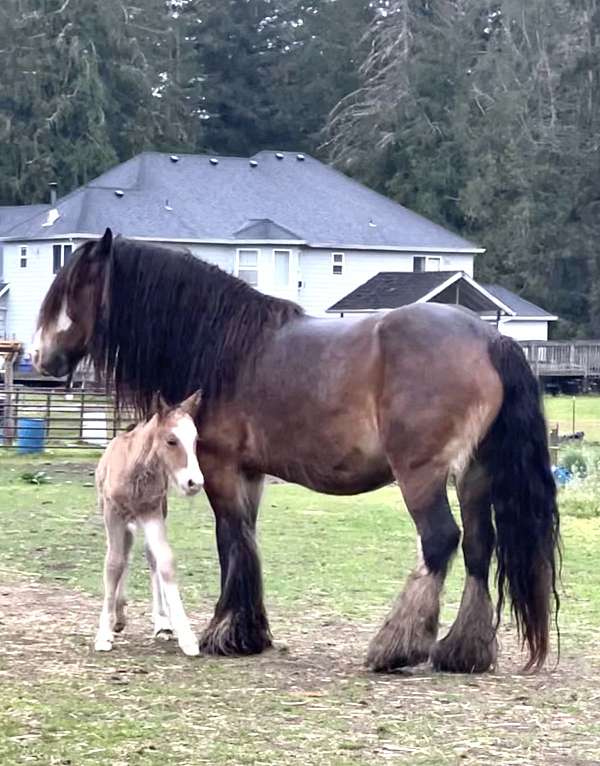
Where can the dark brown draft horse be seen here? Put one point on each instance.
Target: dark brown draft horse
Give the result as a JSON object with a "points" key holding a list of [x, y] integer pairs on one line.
{"points": [[417, 395]]}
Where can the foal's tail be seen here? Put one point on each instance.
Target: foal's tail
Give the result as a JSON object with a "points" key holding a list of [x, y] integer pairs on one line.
{"points": [[524, 500]]}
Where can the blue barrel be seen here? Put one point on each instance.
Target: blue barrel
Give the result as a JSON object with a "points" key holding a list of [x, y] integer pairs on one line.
{"points": [[30, 434]]}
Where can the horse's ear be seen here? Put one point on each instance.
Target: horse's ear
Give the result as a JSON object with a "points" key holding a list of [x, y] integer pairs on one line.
{"points": [[105, 244], [191, 405]]}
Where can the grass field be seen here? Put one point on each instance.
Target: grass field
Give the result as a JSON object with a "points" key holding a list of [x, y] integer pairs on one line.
{"points": [[559, 410], [332, 567]]}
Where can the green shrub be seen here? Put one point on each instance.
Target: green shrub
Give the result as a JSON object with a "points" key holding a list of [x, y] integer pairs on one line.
{"points": [[575, 462]]}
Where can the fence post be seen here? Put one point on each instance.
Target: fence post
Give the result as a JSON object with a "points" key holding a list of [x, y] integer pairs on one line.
{"points": [[115, 418], [9, 420], [81, 415], [48, 411]]}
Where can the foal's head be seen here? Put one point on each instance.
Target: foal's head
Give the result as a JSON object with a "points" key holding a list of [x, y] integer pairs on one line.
{"points": [[174, 440], [71, 308]]}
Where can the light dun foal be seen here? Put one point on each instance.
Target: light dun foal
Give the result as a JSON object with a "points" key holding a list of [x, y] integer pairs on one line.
{"points": [[132, 481]]}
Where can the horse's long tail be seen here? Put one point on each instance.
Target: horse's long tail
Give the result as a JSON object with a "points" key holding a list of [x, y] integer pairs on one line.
{"points": [[524, 500]]}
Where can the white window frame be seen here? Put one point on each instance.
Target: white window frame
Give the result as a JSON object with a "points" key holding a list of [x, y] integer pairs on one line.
{"points": [[289, 273], [239, 269], [429, 259], [63, 246], [341, 263], [23, 256]]}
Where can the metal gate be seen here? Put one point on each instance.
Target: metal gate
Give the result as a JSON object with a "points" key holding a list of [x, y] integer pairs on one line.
{"points": [[34, 418]]}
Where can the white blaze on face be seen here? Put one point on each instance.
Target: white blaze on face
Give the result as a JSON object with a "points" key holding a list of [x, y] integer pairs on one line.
{"points": [[63, 321], [190, 478], [44, 336]]}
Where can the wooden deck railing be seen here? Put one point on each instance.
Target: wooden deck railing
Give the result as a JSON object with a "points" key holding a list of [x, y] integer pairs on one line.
{"points": [[563, 358]]}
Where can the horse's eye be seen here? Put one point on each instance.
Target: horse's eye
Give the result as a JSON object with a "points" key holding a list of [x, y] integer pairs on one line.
{"points": [[172, 441]]}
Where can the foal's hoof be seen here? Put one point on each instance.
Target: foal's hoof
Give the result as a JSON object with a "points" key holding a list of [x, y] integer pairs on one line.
{"points": [[190, 646], [163, 630], [103, 645]]}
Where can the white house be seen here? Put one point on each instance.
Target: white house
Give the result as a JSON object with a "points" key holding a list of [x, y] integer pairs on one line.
{"points": [[286, 223]]}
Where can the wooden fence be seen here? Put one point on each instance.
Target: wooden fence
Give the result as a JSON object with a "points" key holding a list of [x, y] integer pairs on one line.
{"points": [[76, 419]]}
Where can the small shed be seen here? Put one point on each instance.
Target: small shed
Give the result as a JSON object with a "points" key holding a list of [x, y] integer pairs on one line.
{"points": [[514, 315]]}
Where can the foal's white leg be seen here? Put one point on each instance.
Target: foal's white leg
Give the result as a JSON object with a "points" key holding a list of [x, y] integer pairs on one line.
{"points": [[114, 568], [160, 618], [120, 618], [156, 539]]}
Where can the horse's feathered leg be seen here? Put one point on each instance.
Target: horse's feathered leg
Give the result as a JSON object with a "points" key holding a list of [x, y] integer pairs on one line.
{"points": [[239, 625], [471, 645], [410, 629]]}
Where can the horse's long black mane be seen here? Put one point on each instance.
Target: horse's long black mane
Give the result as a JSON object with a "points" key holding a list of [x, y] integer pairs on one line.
{"points": [[174, 323]]}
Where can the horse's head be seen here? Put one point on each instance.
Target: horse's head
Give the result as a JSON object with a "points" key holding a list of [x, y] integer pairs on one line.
{"points": [[70, 310], [174, 442]]}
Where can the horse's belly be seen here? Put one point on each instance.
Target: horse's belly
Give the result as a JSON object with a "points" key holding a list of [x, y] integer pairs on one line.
{"points": [[348, 474]]}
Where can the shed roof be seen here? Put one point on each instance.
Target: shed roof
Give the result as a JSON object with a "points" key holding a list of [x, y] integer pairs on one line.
{"points": [[393, 289]]}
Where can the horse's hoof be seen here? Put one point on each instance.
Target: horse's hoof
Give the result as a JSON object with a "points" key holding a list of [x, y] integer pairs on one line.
{"points": [[236, 634], [163, 634], [469, 655]]}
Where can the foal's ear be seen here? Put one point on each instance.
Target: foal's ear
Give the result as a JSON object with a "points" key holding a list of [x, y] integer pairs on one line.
{"points": [[191, 405], [162, 408]]}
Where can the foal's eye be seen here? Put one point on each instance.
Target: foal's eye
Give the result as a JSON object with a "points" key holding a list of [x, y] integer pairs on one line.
{"points": [[172, 441]]}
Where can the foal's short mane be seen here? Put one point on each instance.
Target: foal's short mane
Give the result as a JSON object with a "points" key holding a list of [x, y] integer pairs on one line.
{"points": [[174, 323]]}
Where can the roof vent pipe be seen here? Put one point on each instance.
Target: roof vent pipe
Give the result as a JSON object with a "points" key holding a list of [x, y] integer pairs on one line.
{"points": [[53, 187]]}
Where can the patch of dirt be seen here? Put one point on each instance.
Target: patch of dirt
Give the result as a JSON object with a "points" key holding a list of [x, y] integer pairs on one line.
{"points": [[551, 718]]}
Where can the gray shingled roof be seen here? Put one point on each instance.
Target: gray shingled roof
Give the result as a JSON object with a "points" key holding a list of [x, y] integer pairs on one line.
{"points": [[393, 289], [11, 216], [194, 198], [519, 305]]}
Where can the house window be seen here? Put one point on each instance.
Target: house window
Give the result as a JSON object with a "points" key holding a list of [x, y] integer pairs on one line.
{"points": [[282, 267], [427, 263], [337, 263], [24, 257], [61, 255], [247, 266]]}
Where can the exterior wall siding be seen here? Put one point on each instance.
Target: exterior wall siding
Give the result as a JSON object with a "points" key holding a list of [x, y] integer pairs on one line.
{"points": [[521, 329], [28, 286], [311, 279]]}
